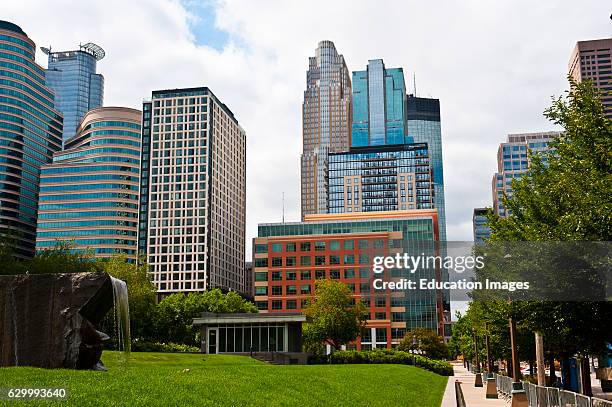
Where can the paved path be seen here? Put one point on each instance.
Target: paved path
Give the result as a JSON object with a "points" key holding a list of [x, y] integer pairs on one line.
{"points": [[474, 396]]}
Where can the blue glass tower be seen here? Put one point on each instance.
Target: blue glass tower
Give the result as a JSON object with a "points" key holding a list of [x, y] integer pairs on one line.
{"points": [[423, 123], [379, 106], [89, 194], [78, 88], [30, 132]]}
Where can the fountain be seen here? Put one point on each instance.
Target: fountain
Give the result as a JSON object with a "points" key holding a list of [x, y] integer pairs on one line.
{"points": [[122, 316], [49, 320]]}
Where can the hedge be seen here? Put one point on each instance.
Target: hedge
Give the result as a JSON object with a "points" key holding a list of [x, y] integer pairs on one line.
{"points": [[170, 347], [390, 356]]}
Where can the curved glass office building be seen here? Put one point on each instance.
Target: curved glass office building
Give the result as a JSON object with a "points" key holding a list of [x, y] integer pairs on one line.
{"points": [[30, 132], [89, 194]]}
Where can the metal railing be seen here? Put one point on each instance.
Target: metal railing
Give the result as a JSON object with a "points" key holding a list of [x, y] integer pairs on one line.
{"points": [[539, 396]]}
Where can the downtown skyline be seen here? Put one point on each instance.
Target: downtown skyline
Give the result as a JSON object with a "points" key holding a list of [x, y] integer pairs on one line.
{"points": [[477, 111]]}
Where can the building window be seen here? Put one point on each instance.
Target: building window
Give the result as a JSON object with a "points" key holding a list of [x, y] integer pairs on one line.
{"points": [[277, 248], [305, 289], [334, 274], [379, 244], [319, 246], [305, 275], [334, 246], [291, 304], [364, 259], [261, 290], [333, 260], [381, 301], [290, 247], [261, 262], [261, 276], [290, 261], [364, 287], [291, 290], [277, 304], [261, 305], [277, 276], [320, 274], [261, 248], [305, 260], [305, 246], [277, 290], [380, 315], [291, 276], [349, 259], [398, 317], [319, 260], [277, 261], [349, 273], [349, 244], [363, 244]]}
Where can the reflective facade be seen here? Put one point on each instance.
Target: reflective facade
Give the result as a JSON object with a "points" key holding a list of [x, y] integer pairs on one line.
{"points": [[480, 225], [423, 122], [513, 161], [193, 192], [30, 132], [326, 123], [89, 194], [385, 178], [379, 106], [289, 257], [78, 88]]}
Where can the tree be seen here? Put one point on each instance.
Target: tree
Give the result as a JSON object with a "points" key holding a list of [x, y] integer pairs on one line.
{"points": [[425, 340], [174, 314], [335, 318]]}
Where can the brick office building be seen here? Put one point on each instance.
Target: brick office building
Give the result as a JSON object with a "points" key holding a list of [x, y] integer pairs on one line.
{"points": [[289, 257]]}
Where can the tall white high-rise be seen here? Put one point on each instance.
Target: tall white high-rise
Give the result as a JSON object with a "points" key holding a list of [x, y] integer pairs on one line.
{"points": [[193, 192]]}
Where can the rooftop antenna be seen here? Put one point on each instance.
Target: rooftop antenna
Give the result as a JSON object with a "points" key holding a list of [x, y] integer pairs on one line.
{"points": [[414, 82], [283, 207]]}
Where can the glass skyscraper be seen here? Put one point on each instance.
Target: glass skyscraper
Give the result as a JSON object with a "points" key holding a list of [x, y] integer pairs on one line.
{"points": [[193, 192], [326, 123], [480, 226], [423, 122], [387, 178], [89, 194], [513, 161], [30, 132], [78, 88], [379, 106]]}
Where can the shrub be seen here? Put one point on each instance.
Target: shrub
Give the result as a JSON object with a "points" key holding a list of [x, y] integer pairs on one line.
{"points": [[170, 347], [390, 356]]}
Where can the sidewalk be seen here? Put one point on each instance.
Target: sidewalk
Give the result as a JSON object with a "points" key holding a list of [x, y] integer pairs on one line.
{"points": [[474, 396]]}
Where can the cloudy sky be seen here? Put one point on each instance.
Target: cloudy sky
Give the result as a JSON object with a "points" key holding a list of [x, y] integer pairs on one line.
{"points": [[494, 65]]}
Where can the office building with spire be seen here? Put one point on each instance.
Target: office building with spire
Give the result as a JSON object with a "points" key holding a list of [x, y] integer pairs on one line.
{"points": [[78, 88], [326, 123]]}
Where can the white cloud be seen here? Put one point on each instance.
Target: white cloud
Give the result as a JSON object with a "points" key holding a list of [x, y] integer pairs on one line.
{"points": [[493, 65]]}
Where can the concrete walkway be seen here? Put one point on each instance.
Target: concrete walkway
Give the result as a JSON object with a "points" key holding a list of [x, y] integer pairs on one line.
{"points": [[474, 396]]}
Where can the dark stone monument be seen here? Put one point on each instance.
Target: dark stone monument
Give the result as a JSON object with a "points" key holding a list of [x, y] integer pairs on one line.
{"points": [[48, 320]]}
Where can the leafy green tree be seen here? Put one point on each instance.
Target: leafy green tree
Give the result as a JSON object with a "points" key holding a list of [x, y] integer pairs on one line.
{"points": [[174, 314], [9, 264], [335, 318], [425, 340], [62, 259]]}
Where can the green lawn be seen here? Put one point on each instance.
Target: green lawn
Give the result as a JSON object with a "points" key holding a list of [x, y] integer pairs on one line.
{"points": [[162, 379]]}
